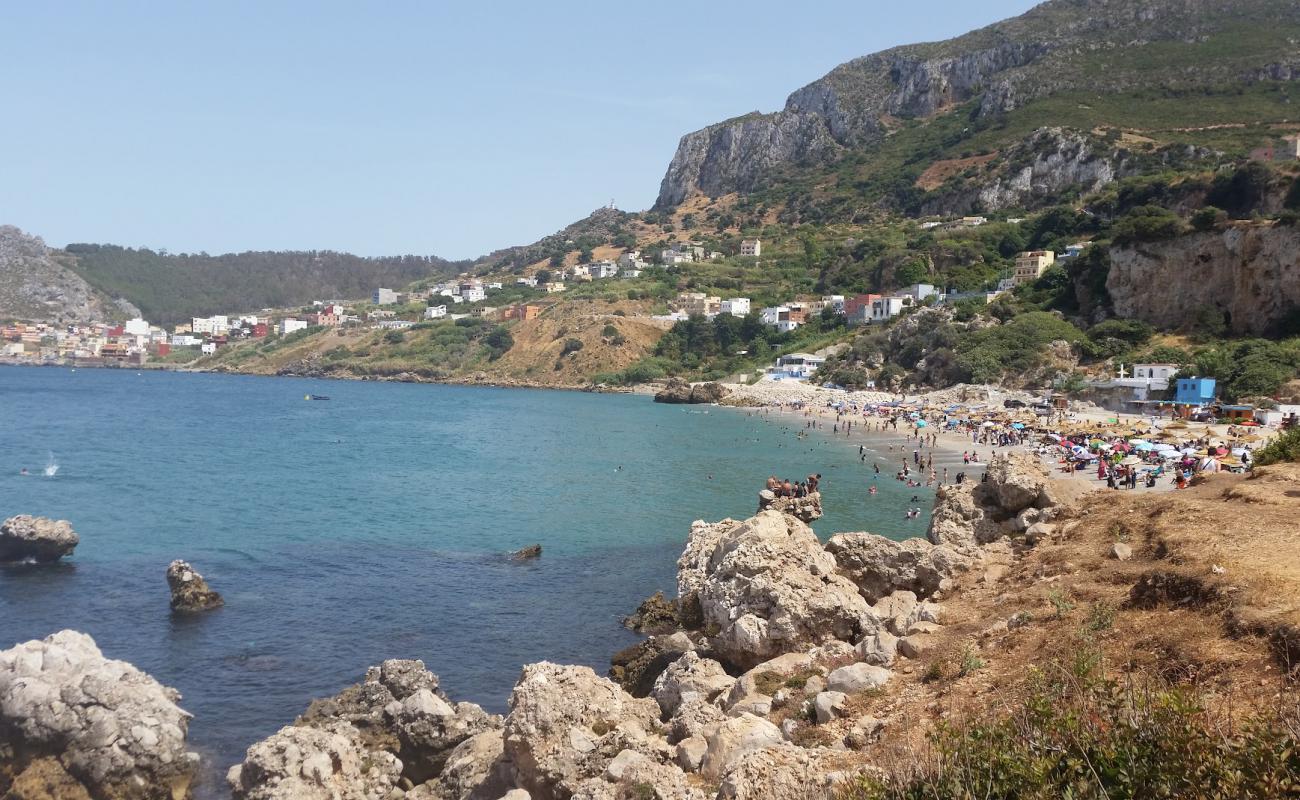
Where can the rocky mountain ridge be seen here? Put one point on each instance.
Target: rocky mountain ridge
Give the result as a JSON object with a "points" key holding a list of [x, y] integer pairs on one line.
{"points": [[1061, 45], [36, 286]]}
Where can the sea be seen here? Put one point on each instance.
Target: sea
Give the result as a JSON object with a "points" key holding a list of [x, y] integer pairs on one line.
{"points": [[376, 524]]}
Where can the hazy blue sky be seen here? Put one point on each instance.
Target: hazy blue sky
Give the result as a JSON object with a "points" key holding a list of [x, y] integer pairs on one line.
{"points": [[450, 128]]}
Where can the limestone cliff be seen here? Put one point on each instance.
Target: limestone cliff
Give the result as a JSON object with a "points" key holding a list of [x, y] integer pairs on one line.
{"points": [[1250, 274], [35, 287], [1099, 46]]}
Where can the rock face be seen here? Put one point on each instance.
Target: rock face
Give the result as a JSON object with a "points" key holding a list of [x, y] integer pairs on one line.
{"points": [[1247, 276], [38, 286], [765, 587], [327, 763], [1048, 50], [28, 538], [681, 392], [879, 566], [1016, 493], [190, 592], [110, 728], [807, 509]]}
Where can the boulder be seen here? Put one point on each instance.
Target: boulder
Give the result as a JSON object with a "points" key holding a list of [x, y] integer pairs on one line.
{"points": [[690, 675], [730, 742], [190, 592], [308, 763], [881, 648], [710, 392], [679, 391], [114, 730], [690, 753], [475, 769], [828, 705], [559, 718], [429, 729], [879, 566], [856, 678], [806, 509], [28, 538], [1120, 551], [692, 718], [766, 587]]}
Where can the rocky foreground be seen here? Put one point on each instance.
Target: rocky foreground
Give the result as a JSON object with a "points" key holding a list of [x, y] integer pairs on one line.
{"points": [[783, 668]]}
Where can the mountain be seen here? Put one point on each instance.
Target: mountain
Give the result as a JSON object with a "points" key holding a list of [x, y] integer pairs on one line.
{"points": [[36, 284], [172, 288], [1198, 53]]}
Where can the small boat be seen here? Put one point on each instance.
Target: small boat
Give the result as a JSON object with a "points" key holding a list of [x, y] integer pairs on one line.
{"points": [[315, 397]]}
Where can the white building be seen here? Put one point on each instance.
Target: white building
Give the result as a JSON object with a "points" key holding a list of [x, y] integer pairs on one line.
{"points": [[384, 297], [494, 285], [835, 302], [886, 308], [288, 326], [215, 325], [555, 287], [473, 294], [735, 306], [920, 291], [530, 282], [794, 366], [135, 327], [773, 314], [435, 312], [603, 269], [185, 340], [751, 248], [208, 348], [1157, 375]]}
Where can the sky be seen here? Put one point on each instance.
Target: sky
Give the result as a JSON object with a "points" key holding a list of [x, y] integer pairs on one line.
{"points": [[432, 128]]}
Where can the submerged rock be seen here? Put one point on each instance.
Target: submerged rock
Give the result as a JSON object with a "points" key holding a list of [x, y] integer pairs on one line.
{"points": [[530, 552], [190, 592], [69, 716], [28, 538], [656, 614]]}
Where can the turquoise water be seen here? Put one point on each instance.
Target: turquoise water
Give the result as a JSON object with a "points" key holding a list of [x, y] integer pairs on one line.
{"points": [[373, 526]]}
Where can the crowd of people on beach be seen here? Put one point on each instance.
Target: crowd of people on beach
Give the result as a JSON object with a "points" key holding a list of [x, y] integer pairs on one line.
{"points": [[795, 489]]}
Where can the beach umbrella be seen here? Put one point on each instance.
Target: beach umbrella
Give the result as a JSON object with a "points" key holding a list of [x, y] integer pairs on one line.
{"points": [[987, 425], [1018, 425], [1144, 446], [1168, 454], [1164, 448], [920, 423]]}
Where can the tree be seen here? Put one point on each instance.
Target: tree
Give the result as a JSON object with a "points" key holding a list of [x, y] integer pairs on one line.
{"points": [[1206, 219], [499, 341], [543, 276], [1147, 224]]}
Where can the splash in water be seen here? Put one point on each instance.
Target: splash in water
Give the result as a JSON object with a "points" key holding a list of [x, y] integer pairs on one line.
{"points": [[51, 467]]}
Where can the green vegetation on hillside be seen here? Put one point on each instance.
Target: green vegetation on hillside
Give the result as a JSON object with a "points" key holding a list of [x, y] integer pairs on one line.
{"points": [[171, 288]]}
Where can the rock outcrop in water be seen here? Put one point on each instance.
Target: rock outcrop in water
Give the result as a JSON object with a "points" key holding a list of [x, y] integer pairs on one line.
{"points": [[805, 509], [680, 392], [70, 717], [28, 538], [527, 553], [190, 592]]}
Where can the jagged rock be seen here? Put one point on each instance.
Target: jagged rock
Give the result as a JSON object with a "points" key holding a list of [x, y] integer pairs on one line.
{"points": [[865, 731], [731, 741], [429, 730], [807, 508], [190, 592], [690, 675], [113, 729], [766, 587], [692, 718], [656, 615], [1013, 482], [36, 286], [530, 552], [28, 538], [879, 566], [913, 647], [636, 668], [975, 514], [306, 763], [856, 678], [787, 772], [559, 716]]}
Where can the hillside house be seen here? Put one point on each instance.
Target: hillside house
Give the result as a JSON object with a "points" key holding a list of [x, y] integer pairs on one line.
{"points": [[288, 326], [435, 312], [735, 306], [751, 248], [1031, 265], [384, 297]]}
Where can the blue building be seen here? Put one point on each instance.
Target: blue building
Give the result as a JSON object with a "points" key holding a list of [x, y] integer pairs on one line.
{"points": [[1194, 391]]}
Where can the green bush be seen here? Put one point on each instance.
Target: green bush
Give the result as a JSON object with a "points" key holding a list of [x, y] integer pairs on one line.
{"points": [[1286, 447], [1094, 739], [1146, 224]]}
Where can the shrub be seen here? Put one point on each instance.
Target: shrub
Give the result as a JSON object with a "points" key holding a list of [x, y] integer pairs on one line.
{"points": [[1207, 218], [571, 346], [1146, 224], [1285, 447]]}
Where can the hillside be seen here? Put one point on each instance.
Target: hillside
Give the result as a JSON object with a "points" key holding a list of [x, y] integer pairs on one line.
{"points": [[1129, 74], [36, 284], [170, 288]]}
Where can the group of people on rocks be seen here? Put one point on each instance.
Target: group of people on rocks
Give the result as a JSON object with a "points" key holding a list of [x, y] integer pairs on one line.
{"points": [[789, 488]]}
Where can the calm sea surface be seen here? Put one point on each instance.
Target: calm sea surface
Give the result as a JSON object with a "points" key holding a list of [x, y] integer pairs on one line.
{"points": [[372, 526]]}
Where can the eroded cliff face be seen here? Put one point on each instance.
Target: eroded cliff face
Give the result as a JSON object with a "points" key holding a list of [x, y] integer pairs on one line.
{"points": [[1249, 273], [36, 287], [1060, 45]]}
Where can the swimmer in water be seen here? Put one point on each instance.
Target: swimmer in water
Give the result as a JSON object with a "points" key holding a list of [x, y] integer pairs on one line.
{"points": [[22, 471]]}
